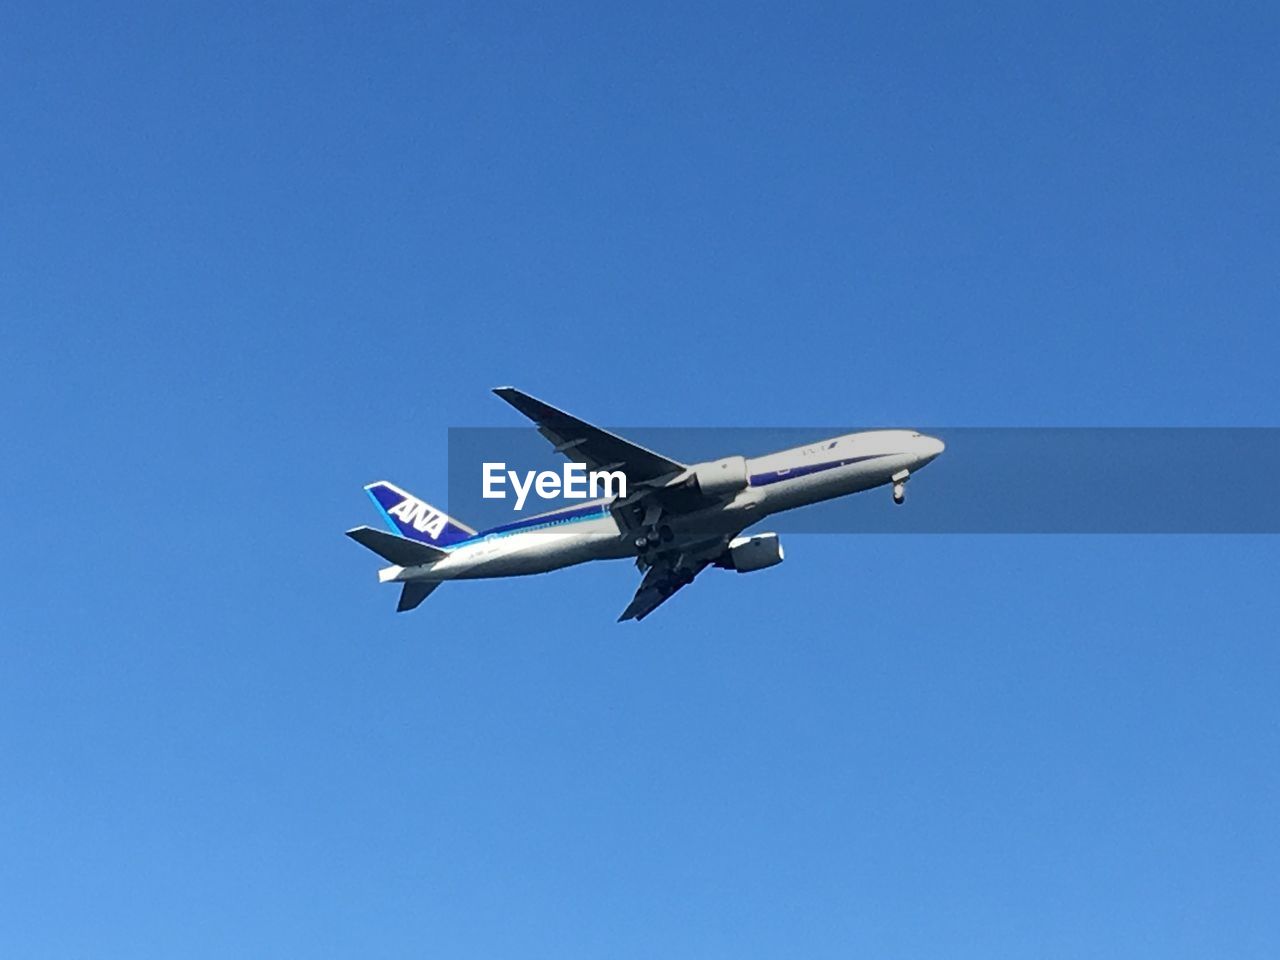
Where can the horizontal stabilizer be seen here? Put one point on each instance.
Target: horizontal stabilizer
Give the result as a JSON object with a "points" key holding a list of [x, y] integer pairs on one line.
{"points": [[413, 594], [400, 551]]}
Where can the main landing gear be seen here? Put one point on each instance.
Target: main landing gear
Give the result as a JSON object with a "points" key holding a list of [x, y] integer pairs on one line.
{"points": [[900, 485], [653, 537]]}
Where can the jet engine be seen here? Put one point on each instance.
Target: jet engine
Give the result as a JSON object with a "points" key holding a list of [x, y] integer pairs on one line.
{"points": [[721, 478], [748, 554]]}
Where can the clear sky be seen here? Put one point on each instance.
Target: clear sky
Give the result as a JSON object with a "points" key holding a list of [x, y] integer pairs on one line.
{"points": [[253, 256]]}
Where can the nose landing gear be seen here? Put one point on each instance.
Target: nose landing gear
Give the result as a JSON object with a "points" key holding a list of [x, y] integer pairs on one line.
{"points": [[900, 485]]}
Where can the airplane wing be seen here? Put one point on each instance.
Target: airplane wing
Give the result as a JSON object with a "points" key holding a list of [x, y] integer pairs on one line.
{"points": [[656, 588], [667, 574], [582, 442]]}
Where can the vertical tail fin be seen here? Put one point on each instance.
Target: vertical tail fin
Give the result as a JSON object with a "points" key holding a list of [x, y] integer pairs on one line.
{"points": [[414, 518]]}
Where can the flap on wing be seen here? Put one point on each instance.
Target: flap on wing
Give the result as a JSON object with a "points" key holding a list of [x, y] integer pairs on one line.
{"points": [[398, 550], [582, 442]]}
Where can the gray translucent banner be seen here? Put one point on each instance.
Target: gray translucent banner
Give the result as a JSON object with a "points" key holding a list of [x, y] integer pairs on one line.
{"points": [[989, 480]]}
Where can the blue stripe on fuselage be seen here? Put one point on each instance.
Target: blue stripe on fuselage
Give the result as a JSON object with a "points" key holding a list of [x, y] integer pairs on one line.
{"points": [[547, 519], [777, 476], [591, 511]]}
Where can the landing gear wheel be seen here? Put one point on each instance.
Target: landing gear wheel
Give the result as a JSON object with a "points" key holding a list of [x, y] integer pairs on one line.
{"points": [[900, 485]]}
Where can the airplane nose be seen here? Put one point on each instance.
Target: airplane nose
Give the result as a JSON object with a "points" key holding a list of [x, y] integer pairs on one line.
{"points": [[931, 447]]}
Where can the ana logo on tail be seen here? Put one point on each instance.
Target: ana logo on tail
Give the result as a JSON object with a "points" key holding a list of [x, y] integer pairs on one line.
{"points": [[421, 516], [416, 519]]}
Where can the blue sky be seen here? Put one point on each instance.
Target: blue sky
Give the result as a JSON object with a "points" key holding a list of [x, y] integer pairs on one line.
{"points": [[254, 256]]}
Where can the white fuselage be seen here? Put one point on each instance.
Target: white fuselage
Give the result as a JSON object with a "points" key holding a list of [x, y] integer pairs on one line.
{"points": [[829, 468]]}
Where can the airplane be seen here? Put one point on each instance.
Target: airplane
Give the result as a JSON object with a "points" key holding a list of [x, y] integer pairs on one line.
{"points": [[675, 520]]}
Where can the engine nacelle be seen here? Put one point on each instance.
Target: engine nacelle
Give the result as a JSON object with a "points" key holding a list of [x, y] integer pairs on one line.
{"points": [[721, 478], [748, 554]]}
